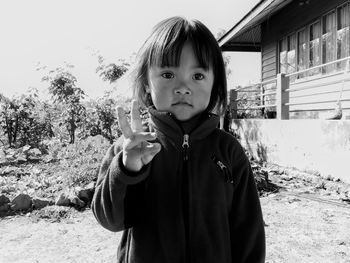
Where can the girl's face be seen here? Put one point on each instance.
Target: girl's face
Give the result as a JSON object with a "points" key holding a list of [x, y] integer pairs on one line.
{"points": [[185, 90]]}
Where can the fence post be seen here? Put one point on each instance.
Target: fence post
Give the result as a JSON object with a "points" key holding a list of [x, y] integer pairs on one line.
{"points": [[233, 103], [282, 97], [262, 96]]}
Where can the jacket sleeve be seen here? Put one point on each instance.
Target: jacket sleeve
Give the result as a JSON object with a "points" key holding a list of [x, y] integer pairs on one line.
{"points": [[247, 225], [118, 196]]}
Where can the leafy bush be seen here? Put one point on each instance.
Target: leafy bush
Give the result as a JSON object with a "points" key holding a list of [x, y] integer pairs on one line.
{"points": [[111, 72], [65, 92], [78, 163], [69, 166], [25, 120], [101, 118], [247, 99]]}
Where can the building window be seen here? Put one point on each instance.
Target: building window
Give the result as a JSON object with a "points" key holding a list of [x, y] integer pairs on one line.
{"points": [[314, 48], [288, 54], [291, 54], [328, 41], [301, 52], [283, 55], [343, 23]]}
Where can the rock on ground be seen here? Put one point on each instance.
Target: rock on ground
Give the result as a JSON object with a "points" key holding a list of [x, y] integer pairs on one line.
{"points": [[21, 202]]}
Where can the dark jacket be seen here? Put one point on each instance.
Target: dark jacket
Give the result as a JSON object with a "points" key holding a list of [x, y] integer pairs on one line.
{"points": [[190, 204]]}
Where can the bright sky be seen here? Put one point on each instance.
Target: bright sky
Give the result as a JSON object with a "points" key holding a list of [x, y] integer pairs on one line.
{"points": [[40, 33]]}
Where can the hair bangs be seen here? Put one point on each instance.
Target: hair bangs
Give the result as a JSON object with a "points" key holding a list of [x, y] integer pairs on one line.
{"points": [[169, 41], [167, 54], [202, 52]]}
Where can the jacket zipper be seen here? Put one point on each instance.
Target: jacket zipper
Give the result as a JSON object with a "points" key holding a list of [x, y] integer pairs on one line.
{"points": [[185, 146], [186, 196]]}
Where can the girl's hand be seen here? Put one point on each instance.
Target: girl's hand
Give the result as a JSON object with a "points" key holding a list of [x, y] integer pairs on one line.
{"points": [[137, 150]]}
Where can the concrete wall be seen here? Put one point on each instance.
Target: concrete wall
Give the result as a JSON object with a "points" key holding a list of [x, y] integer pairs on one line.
{"points": [[316, 145]]}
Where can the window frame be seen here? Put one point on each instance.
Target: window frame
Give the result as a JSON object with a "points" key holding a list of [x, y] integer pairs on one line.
{"points": [[347, 6], [286, 38], [328, 69], [306, 58], [319, 22]]}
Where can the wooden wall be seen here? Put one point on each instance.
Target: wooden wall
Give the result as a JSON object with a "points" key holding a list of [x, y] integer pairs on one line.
{"points": [[269, 61], [320, 95]]}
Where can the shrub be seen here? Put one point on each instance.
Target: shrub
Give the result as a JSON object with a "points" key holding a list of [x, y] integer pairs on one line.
{"points": [[79, 162], [25, 120]]}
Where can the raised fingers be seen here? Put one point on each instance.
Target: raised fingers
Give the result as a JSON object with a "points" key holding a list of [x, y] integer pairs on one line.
{"points": [[137, 138], [136, 122], [123, 123]]}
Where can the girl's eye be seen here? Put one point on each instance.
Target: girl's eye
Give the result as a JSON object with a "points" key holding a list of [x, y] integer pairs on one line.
{"points": [[198, 76], [168, 75]]}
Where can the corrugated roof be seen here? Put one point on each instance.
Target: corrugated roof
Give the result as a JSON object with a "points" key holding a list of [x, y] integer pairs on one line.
{"points": [[246, 34]]}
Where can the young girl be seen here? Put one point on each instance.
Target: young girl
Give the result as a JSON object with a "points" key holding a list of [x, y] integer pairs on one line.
{"points": [[184, 192]]}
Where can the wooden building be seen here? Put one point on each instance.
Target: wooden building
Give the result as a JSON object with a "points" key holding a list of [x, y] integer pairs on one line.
{"points": [[305, 44]]}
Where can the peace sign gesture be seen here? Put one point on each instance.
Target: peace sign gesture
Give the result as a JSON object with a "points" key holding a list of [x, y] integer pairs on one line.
{"points": [[137, 150]]}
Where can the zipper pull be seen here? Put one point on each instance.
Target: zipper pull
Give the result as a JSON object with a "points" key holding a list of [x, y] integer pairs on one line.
{"points": [[185, 146], [221, 165], [227, 176]]}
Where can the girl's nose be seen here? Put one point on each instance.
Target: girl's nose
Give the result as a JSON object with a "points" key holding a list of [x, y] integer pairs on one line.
{"points": [[182, 89]]}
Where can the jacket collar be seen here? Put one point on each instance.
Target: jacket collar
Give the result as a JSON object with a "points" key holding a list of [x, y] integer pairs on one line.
{"points": [[166, 123]]}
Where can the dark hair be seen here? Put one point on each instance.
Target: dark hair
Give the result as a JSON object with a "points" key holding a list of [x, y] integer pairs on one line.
{"points": [[163, 48]]}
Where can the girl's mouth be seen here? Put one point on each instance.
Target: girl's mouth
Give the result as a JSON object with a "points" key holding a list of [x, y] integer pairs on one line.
{"points": [[181, 103]]}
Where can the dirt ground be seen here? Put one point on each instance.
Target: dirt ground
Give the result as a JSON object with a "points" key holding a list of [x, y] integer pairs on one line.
{"points": [[301, 226]]}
